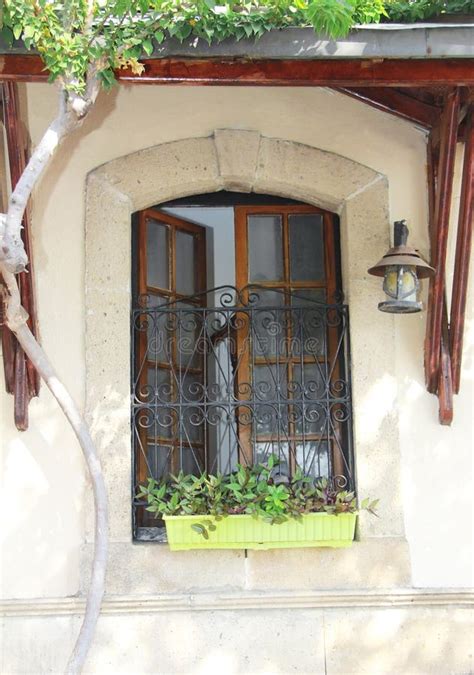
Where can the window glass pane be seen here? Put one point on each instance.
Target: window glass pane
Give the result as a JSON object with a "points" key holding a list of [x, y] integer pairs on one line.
{"points": [[222, 436], [268, 325], [155, 300], [265, 248], [266, 297], [185, 264], [309, 321], [271, 389], [192, 424], [192, 388], [157, 254], [146, 389], [308, 386], [313, 458], [308, 297], [191, 338], [281, 450], [270, 383], [159, 460], [159, 384], [159, 394], [306, 247], [159, 347], [192, 460], [308, 381], [192, 418]]}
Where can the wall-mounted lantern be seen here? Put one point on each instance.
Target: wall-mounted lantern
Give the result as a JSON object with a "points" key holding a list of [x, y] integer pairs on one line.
{"points": [[401, 267]]}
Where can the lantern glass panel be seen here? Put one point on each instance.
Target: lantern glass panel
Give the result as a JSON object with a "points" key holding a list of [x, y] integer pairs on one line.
{"points": [[401, 283]]}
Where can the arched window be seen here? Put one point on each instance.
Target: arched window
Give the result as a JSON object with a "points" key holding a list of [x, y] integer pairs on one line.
{"points": [[240, 340]]}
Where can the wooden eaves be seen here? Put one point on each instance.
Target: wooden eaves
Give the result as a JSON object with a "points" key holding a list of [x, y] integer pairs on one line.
{"points": [[435, 94]]}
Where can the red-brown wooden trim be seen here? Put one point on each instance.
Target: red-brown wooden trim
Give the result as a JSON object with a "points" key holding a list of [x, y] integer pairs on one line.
{"points": [[303, 73], [463, 253], [448, 135], [445, 380], [21, 378], [8, 354], [22, 68], [272, 72], [21, 390], [396, 103], [173, 224], [432, 156], [18, 159]]}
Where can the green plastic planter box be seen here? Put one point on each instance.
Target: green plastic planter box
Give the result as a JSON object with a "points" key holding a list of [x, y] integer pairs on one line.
{"points": [[244, 531]]}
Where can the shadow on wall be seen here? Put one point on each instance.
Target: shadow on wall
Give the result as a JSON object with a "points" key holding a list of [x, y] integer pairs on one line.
{"points": [[308, 642]]}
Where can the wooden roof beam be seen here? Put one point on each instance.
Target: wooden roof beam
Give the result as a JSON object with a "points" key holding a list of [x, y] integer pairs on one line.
{"points": [[463, 253], [272, 72], [396, 103], [437, 356]]}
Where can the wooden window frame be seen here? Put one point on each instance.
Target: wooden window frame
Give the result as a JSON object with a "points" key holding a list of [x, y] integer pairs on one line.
{"points": [[329, 283], [171, 295]]}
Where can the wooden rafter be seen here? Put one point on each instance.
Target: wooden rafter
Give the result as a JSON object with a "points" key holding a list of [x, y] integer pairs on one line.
{"points": [[444, 389], [21, 379], [396, 103], [272, 72], [463, 252], [445, 376], [444, 338], [439, 237]]}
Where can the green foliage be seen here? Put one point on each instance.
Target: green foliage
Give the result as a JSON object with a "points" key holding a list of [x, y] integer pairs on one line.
{"points": [[255, 490], [72, 35], [421, 10]]}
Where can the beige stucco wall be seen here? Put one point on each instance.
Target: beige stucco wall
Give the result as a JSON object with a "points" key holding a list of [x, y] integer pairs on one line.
{"points": [[44, 477], [236, 641]]}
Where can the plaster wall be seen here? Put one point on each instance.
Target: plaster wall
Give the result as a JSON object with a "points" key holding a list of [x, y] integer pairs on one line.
{"points": [[309, 641], [43, 472]]}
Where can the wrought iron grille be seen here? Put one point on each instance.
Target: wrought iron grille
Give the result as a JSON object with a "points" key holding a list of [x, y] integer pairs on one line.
{"points": [[233, 376]]}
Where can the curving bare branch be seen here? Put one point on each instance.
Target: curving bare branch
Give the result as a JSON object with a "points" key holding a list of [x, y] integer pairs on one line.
{"points": [[12, 260]]}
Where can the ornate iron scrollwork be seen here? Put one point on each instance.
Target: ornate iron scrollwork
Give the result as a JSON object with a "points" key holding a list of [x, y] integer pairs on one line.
{"points": [[235, 375]]}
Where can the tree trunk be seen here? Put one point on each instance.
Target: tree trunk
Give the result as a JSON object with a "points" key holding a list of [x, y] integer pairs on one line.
{"points": [[12, 252]]}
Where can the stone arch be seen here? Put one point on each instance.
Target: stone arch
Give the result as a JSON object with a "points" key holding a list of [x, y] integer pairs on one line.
{"points": [[241, 160]]}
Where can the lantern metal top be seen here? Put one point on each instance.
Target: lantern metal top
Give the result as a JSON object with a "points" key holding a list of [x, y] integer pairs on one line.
{"points": [[402, 255]]}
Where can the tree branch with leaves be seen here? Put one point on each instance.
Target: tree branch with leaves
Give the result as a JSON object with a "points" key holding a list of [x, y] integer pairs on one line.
{"points": [[81, 43]]}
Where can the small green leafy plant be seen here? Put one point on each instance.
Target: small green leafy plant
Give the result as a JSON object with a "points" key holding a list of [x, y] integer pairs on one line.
{"points": [[255, 490]]}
